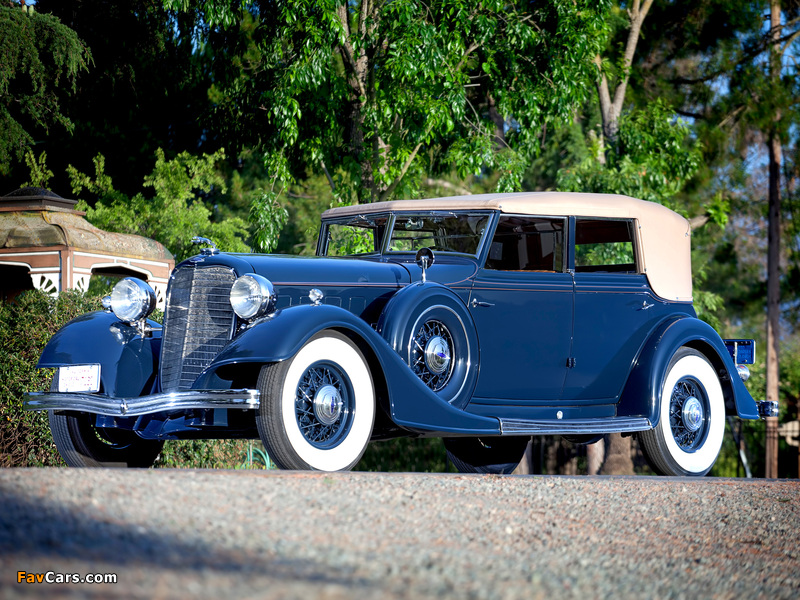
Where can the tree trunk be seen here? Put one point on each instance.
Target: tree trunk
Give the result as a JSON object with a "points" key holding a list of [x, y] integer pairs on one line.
{"points": [[595, 453], [618, 459], [773, 252]]}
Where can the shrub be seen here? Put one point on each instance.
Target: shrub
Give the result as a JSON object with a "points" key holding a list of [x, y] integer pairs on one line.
{"points": [[26, 325]]}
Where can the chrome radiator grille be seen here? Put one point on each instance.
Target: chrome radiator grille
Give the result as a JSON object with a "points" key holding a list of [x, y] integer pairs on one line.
{"points": [[198, 322]]}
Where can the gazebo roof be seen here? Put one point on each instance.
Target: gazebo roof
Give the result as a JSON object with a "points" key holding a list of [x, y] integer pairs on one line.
{"points": [[35, 217]]}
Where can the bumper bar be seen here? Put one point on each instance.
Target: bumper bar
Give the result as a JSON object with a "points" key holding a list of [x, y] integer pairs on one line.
{"points": [[142, 405], [767, 408]]}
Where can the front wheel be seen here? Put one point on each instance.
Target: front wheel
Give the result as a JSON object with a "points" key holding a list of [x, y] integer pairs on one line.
{"points": [[318, 407], [688, 437], [81, 444]]}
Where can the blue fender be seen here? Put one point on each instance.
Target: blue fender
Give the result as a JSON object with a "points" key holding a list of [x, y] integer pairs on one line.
{"points": [[642, 393], [410, 403], [128, 362], [416, 303]]}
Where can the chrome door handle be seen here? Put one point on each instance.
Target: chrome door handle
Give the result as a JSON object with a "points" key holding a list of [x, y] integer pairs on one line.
{"points": [[476, 303], [645, 305]]}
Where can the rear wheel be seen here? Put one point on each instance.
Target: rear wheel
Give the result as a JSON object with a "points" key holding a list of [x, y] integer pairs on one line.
{"points": [[317, 408], [495, 455], [81, 444], [688, 437]]}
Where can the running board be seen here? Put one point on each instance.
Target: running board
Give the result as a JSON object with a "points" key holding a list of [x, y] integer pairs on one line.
{"points": [[574, 426]]}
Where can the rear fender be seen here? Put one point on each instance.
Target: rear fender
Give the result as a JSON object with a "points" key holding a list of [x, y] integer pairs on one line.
{"points": [[128, 362], [408, 402], [642, 393]]}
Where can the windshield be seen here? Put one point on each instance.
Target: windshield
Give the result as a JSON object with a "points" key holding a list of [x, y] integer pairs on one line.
{"points": [[355, 235], [364, 234], [446, 232]]}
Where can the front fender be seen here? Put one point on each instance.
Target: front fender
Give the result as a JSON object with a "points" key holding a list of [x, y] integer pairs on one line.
{"points": [[128, 362], [411, 404], [642, 393]]}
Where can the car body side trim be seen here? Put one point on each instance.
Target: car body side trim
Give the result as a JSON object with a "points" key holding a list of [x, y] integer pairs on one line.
{"points": [[573, 426]]}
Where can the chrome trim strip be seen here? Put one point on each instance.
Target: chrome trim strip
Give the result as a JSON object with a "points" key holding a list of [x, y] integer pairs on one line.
{"points": [[142, 405], [573, 426]]}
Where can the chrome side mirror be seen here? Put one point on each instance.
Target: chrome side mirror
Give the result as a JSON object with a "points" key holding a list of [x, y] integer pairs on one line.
{"points": [[424, 259]]}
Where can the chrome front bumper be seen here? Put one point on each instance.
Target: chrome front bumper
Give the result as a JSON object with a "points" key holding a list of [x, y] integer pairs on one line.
{"points": [[142, 405]]}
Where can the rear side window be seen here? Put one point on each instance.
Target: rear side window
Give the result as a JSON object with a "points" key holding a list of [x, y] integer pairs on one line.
{"points": [[604, 245], [527, 244]]}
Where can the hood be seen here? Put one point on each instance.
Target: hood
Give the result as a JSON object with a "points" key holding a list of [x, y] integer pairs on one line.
{"points": [[287, 270]]}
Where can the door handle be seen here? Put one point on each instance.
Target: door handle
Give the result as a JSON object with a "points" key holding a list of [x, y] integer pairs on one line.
{"points": [[476, 303], [645, 305]]}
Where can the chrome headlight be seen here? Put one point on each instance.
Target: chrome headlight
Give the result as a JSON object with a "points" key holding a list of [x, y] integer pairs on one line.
{"points": [[132, 300], [251, 296]]}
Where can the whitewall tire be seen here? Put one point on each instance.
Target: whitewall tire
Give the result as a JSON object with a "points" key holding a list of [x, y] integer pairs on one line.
{"points": [[318, 407], [688, 437]]}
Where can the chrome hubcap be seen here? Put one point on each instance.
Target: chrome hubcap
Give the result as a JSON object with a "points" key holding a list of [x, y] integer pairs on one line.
{"points": [[327, 404], [692, 414], [437, 355]]}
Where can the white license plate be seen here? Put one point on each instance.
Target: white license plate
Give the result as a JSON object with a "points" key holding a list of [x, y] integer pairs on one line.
{"points": [[79, 378]]}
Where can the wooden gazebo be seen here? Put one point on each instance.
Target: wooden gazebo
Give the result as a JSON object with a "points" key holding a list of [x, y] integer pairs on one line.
{"points": [[46, 244]]}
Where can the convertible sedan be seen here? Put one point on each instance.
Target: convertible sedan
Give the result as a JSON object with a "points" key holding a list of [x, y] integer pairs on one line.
{"points": [[479, 319]]}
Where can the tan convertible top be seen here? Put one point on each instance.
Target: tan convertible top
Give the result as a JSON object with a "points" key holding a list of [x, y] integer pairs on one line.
{"points": [[664, 236]]}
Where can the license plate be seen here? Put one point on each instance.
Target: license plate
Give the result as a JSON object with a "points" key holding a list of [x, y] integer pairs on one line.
{"points": [[79, 378]]}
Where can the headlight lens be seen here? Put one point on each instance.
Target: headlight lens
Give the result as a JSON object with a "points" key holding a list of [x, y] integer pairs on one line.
{"points": [[251, 296], [132, 300]]}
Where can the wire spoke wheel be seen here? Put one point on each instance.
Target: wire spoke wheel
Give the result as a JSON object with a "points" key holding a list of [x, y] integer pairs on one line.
{"points": [[324, 405], [687, 414], [317, 407], [688, 436], [431, 354]]}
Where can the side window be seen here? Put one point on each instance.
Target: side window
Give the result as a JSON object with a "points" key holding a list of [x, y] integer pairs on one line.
{"points": [[527, 244], [604, 245]]}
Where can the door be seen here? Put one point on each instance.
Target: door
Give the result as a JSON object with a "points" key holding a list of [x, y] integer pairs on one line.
{"points": [[614, 309], [522, 305]]}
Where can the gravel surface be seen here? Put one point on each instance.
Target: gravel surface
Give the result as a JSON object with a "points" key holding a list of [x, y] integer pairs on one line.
{"points": [[240, 534]]}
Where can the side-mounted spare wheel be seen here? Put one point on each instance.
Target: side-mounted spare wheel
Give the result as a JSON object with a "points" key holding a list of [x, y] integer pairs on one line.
{"points": [[688, 437], [318, 407], [432, 330]]}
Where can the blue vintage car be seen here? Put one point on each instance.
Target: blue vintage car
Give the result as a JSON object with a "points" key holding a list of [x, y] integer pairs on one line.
{"points": [[480, 319]]}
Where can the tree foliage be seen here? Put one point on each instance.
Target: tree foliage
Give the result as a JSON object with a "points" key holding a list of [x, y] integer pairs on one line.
{"points": [[172, 216], [41, 60], [377, 95]]}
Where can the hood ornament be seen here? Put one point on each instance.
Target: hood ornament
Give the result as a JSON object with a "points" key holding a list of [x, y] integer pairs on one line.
{"points": [[206, 251]]}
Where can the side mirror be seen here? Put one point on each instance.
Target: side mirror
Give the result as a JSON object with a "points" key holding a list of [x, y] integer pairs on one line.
{"points": [[424, 259]]}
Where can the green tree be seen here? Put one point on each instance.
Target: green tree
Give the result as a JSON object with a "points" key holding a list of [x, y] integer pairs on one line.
{"points": [[732, 68], [146, 89], [174, 214], [642, 152], [41, 60], [380, 96]]}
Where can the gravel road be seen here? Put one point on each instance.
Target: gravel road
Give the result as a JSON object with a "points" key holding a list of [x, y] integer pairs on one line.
{"points": [[245, 534]]}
